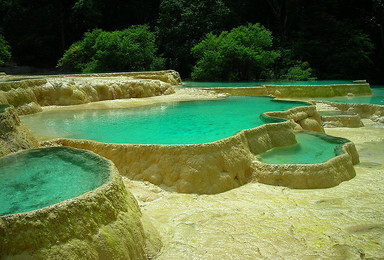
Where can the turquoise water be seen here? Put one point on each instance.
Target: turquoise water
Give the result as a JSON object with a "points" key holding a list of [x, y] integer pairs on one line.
{"points": [[192, 84], [42, 177], [377, 98], [311, 149], [166, 123]]}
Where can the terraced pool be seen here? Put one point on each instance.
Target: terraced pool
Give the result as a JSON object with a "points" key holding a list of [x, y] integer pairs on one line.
{"points": [[165, 123], [34, 179], [312, 148]]}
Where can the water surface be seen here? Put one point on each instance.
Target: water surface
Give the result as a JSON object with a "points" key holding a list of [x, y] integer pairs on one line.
{"points": [[42, 177], [310, 149], [165, 123]]}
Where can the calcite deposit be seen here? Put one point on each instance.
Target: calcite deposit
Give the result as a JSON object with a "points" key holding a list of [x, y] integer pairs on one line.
{"points": [[312, 176], [101, 224], [30, 94], [305, 118], [258, 221], [371, 111], [225, 164], [297, 91], [241, 218], [342, 120], [13, 135], [309, 91]]}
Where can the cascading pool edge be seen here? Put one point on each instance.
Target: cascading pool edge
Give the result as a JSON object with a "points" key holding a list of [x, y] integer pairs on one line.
{"points": [[312, 176], [104, 223]]}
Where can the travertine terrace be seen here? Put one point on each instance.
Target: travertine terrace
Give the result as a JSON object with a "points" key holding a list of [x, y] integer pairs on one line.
{"points": [[116, 225], [100, 224]]}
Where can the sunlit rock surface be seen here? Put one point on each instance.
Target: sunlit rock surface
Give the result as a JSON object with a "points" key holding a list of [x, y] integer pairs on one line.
{"points": [[27, 95], [306, 118], [13, 135], [308, 91], [258, 221], [297, 91], [340, 119], [371, 111]]}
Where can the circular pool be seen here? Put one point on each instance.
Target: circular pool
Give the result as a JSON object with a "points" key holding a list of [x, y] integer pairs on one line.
{"points": [[66, 203], [38, 178]]}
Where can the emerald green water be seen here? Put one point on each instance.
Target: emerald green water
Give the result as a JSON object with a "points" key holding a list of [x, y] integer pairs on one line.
{"points": [[166, 123], [310, 149], [38, 178], [377, 98], [192, 84]]}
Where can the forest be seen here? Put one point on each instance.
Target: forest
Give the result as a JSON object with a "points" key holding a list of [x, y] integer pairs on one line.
{"points": [[203, 40]]}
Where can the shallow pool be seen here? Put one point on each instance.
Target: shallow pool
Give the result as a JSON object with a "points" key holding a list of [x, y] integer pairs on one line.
{"points": [[377, 98], [192, 84], [165, 123], [38, 178], [311, 148]]}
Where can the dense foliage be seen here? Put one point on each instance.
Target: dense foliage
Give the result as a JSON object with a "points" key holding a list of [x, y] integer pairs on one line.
{"points": [[5, 53], [132, 49], [183, 23], [341, 39], [244, 53]]}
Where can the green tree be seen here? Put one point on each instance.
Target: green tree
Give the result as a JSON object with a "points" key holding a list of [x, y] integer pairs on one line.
{"points": [[184, 23], [5, 53], [244, 53], [132, 49]]}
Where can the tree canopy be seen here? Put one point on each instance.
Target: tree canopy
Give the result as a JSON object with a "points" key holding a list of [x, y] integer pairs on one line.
{"points": [[5, 53], [132, 49], [338, 38], [244, 53]]}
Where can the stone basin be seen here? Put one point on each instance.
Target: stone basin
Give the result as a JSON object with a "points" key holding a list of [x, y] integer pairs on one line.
{"points": [[66, 203]]}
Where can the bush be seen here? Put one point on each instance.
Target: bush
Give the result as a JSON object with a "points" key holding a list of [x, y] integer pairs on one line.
{"points": [[132, 49], [299, 72], [5, 53], [244, 53]]}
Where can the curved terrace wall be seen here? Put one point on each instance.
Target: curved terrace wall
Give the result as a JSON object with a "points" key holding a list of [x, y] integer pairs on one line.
{"points": [[28, 95], [101, 224], [312, 176], [200, 168], [333, 90], [13, 135], [305, 118]]}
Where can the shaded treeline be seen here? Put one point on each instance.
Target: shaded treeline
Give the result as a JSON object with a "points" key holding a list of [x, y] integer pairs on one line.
{"points": [[338, 38]]}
